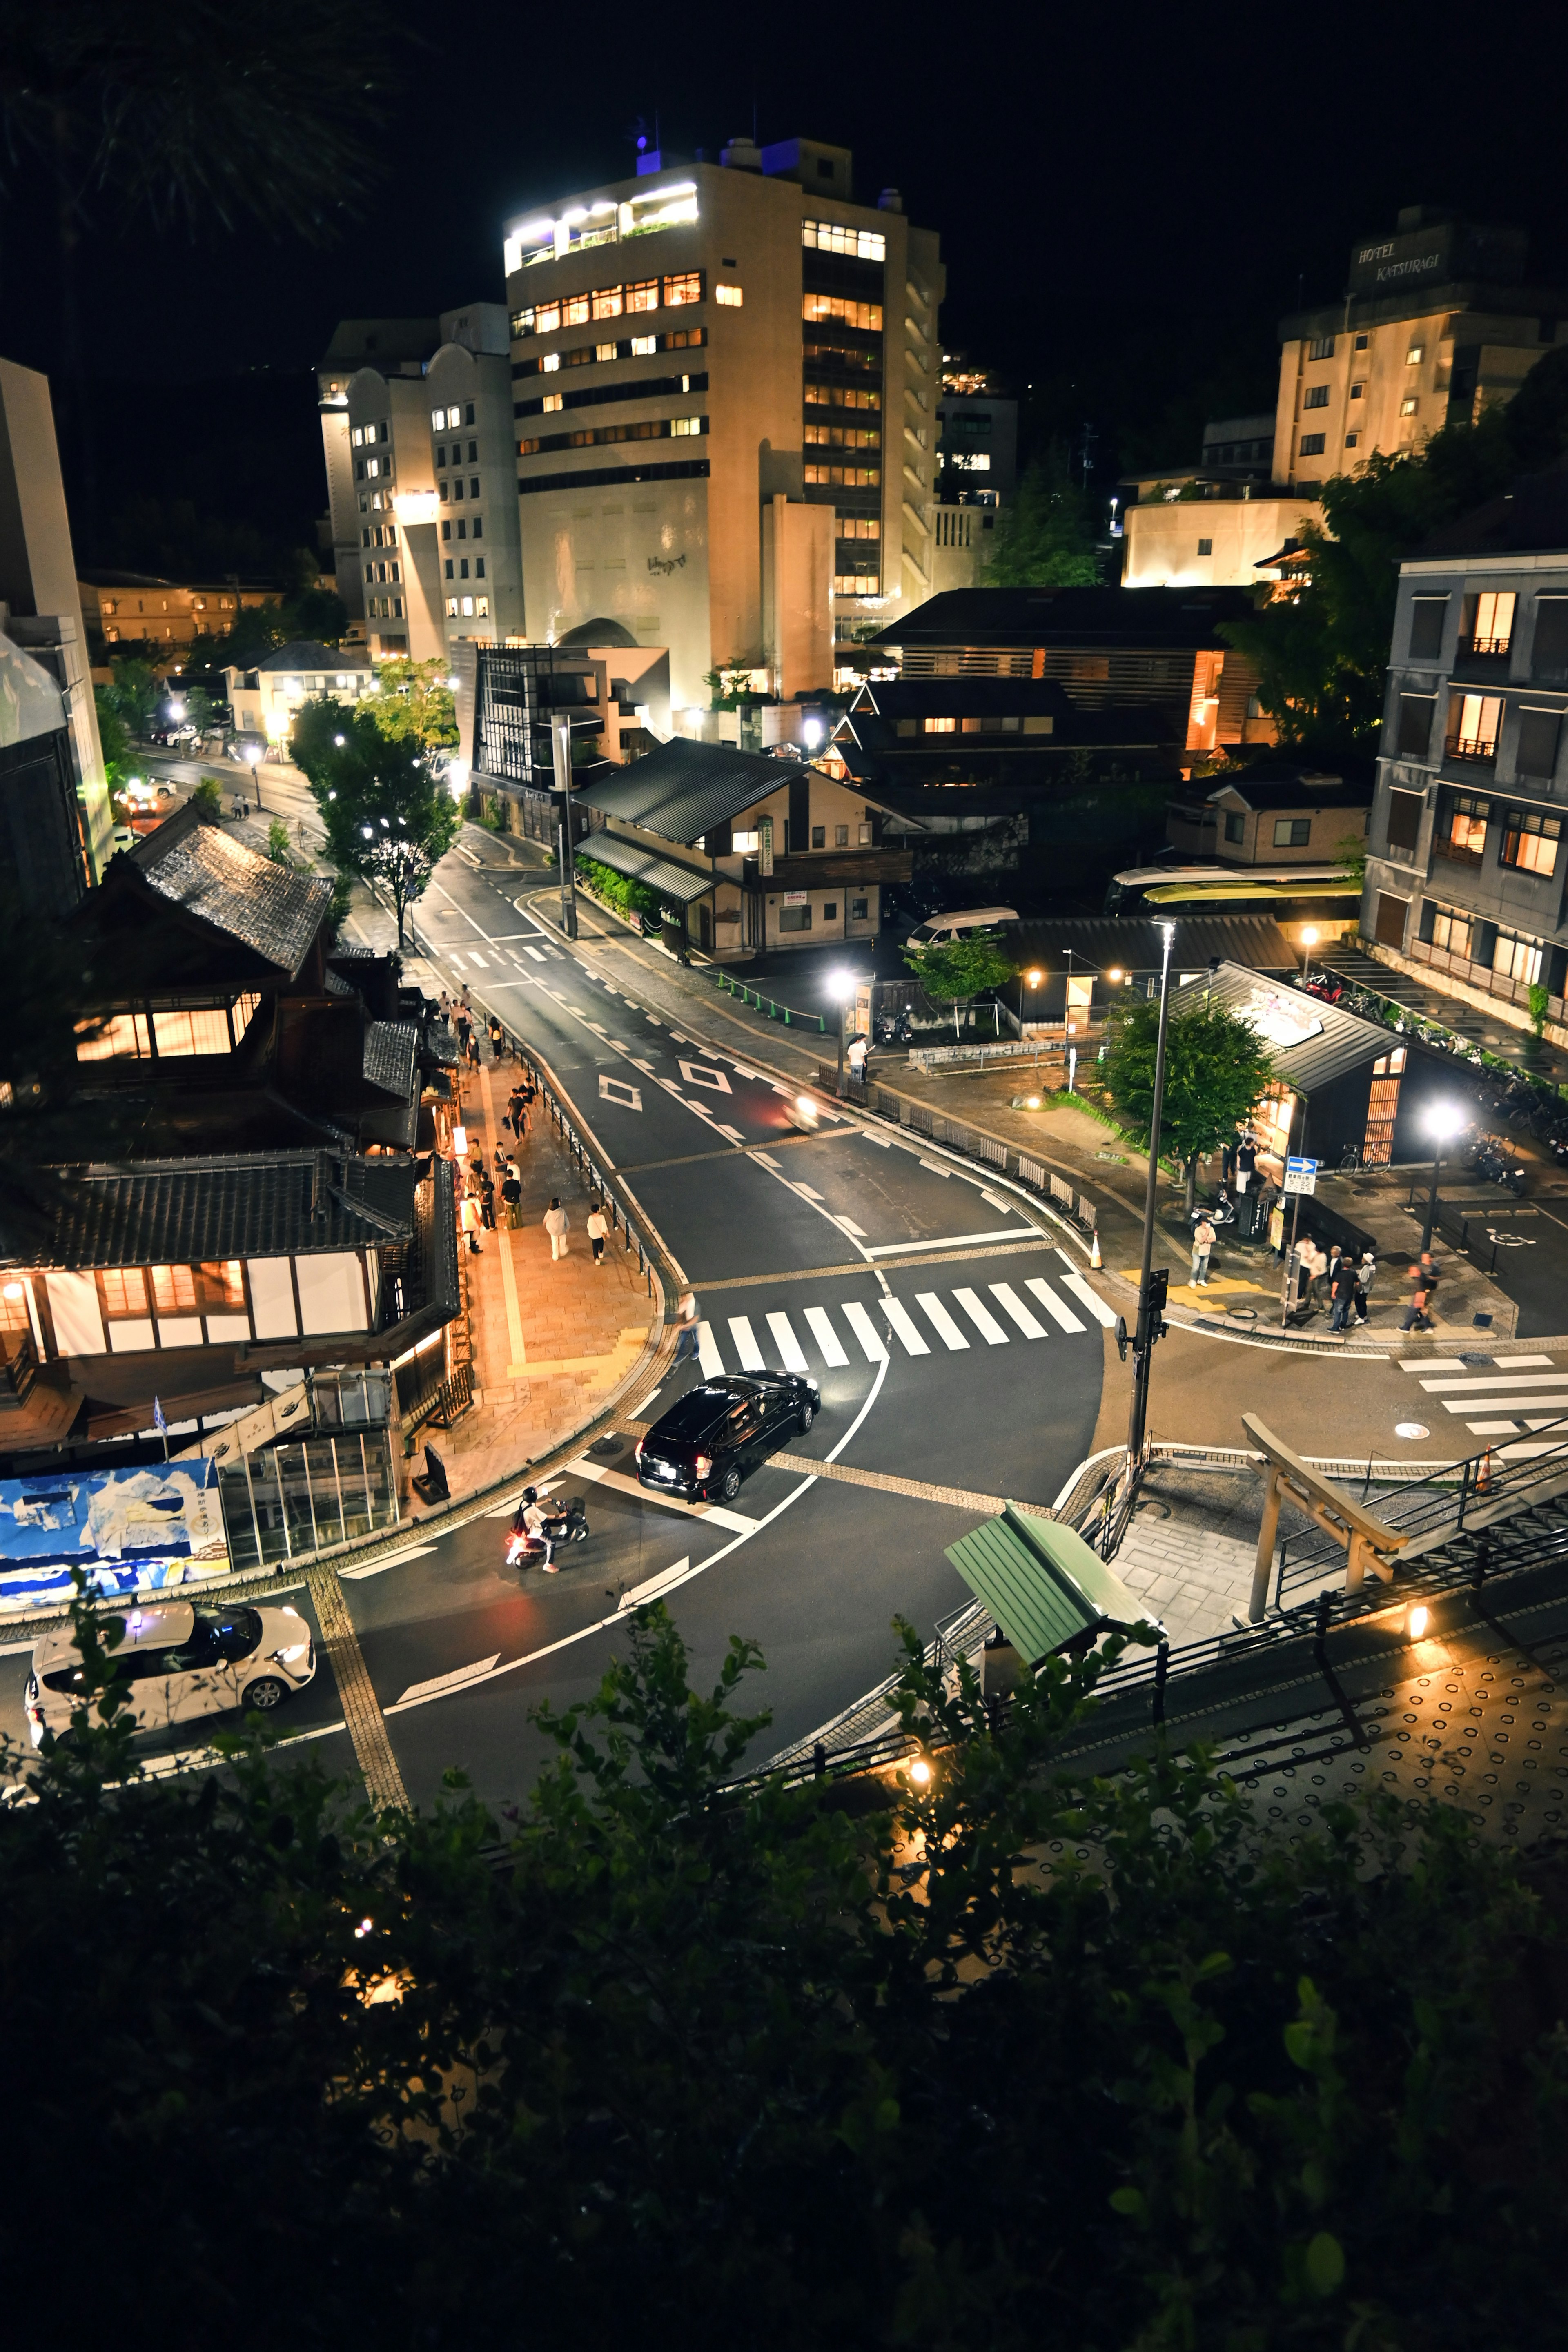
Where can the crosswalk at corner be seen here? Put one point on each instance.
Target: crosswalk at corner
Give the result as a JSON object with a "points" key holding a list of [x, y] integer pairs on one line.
{"points": [[992, 1315], [1498, 1397]]}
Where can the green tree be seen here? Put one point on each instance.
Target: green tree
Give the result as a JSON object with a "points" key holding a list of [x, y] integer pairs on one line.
{"points": [[388, 822], [414, 699], [207, 796], [1046, 538], [953, 972], [114, 737], [1217, 1067], [1011, 2056]]}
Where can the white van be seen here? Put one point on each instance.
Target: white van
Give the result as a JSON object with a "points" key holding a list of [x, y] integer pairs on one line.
{"points": [[952, 927]]}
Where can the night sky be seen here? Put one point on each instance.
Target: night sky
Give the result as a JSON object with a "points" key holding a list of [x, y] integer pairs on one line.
{"points": [[1128, 198]]}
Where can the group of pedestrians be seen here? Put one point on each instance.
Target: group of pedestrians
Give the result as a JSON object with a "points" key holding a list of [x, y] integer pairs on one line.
{"points": [[1332, 1277], [492, 1190]]}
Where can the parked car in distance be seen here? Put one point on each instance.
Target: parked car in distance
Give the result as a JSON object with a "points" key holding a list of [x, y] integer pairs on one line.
{"points": [[962, 921], [179, 1662], [716, 1433]]}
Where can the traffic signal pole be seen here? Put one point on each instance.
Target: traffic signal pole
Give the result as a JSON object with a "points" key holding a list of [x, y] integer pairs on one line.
{"points": [[1154, 1284], [560, 745]]}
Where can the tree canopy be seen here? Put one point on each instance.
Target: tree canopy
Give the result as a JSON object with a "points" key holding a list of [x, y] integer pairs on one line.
{"points": [[414, 699], [952, 971], [1046, 536], [1322, 654], [1216, 1066], [1014, 2057], [387, 819]]}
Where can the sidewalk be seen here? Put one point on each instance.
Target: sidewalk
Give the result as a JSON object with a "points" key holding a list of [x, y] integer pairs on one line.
{"points": [[550, 1341]]}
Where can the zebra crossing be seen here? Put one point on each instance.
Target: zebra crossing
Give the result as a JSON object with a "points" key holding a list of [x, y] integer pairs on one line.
{"points": [[877, 1330], [1496, 1396]]}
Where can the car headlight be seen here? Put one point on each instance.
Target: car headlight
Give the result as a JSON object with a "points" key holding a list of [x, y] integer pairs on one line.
{"points": [[287, 1657]]}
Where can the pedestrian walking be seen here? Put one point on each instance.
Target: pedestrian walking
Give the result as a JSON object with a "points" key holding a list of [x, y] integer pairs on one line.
{"points": [[555, 1225], [1341, 1289], [461, 1024], [1365, 1275], [1418, 1314], [495, 1038], [598, 1230], [1202, 1241], [473, 1053], [488, 1204], [1245, 1158], [514, 1109], [512, 1199], [472, 1222], [688, 1338], [1318, 1275]]}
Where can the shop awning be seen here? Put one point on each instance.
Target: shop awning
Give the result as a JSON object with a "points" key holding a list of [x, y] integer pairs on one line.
{"points": [[1043, 1584], [639, 865]]}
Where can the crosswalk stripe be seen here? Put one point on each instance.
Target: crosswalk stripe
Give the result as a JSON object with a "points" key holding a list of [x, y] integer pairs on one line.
{"points": [[535, 952], [474, 957], [985, 1322], [788, 1345], [947, 1330], [827, 1338], [1502, 1403], [746, 1348], [708, 1355], [453, 957], [1053, 1305], [864, 1331], [1453, 1364], [1494, 1428], [1090, 1298], [1499, 1380], [1011, 1304], [904, 1324]]}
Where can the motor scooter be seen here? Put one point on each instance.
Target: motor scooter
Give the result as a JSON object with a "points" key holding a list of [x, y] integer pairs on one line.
{"points": [[527, 1548]]}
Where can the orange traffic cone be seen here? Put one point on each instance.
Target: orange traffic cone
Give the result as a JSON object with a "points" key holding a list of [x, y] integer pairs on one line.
{"points": [[1484, 1475], [1095, 1260]]}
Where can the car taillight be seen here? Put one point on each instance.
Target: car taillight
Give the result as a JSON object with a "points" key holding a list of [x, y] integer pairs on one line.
{"points": [[703, 1465], [636, 1451]]}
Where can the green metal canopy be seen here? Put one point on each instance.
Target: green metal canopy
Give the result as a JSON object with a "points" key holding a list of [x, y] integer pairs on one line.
{"points": [[1043, 1584], [665, 875]]}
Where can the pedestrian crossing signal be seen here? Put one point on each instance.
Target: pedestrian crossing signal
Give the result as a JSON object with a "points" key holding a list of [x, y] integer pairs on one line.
{"points": [[1159, 1290]]}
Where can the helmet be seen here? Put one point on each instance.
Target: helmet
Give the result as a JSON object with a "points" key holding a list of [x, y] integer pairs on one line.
{"points": [[530, 1494]]}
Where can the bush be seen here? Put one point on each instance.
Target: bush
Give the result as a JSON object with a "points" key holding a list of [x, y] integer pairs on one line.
{"points": [[207, 796], [618, 890]]}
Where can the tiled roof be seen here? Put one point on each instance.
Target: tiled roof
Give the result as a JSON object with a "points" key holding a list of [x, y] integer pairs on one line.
{"points": [[271, 909], [389, 1051], [186, 1211], [684, 790]]}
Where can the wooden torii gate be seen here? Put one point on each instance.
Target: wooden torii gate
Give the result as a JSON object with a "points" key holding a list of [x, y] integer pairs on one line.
{"points": [[1370, 1546]]}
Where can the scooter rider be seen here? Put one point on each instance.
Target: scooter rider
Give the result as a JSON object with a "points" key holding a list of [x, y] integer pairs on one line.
{"points": [[530, 1531]]}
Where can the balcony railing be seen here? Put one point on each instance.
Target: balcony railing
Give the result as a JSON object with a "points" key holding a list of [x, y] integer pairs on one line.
{"points": [[1481, 976], [1486, 648], [1470, 747], [1454, 854]]}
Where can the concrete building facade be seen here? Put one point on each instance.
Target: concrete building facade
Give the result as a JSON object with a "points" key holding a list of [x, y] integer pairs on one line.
{"points": [[783, 339], [1466, 871]]}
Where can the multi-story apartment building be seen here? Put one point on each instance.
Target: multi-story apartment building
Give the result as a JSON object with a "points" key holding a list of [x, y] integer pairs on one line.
{"points": [[123, 608], [1437, 324], [784, 338], [1465, 872], [418, 430]]}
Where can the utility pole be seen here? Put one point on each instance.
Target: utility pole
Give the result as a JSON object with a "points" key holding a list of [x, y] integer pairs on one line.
{"points": [[1153, 1288], [561, 744]]}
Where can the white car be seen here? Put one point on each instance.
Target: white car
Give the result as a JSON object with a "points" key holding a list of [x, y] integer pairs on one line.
{"points": [[181, 1662]]}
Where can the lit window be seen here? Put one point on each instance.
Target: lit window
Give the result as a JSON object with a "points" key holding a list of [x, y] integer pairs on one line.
{"points": [[357, 437], [1452, 932], [680, 425], [1491, 626], [1478, 717], [831, 236], [575, 311], [123, 1290], [644, 296], [1415, 355], [686, 287], [553, 400], [607, 302], [859, 527], [604, 351], [468, 606], [481, 608], [373, 467], [547, 318], [1408, 407], [729, 298], [856, 584], [551, 363], [1514, 959], [174, 1289], [451, 608], [644, 346], [865, 315], [1466, 835], [939, 725], [1529, 841]]}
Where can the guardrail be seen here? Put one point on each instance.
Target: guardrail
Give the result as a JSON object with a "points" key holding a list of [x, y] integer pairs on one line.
{"points": [[1457, 1227], [787, 1014]]}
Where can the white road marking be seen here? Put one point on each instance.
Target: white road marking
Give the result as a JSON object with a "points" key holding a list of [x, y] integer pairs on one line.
{"points": [[654, 1585], [1499, 1380], [827, 1338], [1091, 1297], [440, 1684], [1503, 1403], [1430, 1364], [752, 1357], [864, 1331], [619, 1090], [996, 1200], [453, 957], [536, 953], [936, 1168], [393, 1559], [708, 1355], [1053, 1305], [847, 1225], [1498, 1428], [701, 1074], [1011, 1304], [788, 1345], [870, 1135], [946, 1328], [619, 1483], [904, 1324], [474, 957], [952, 1241], [732, 1133], [805, 1193], [766, 1159], [641, 1411], [985, 1322]]}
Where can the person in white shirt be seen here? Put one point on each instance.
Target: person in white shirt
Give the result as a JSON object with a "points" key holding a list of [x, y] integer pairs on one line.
{"points": [[555, 1226], [856, 1059], [598, 1230]]}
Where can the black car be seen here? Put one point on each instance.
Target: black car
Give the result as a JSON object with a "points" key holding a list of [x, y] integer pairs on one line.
{"points": [[711, 1437]]}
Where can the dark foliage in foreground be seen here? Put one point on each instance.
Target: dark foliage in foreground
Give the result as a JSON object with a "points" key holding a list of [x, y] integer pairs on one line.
{"points": [[670, 2067]]}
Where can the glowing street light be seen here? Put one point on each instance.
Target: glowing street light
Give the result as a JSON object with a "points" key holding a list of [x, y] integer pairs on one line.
{"points": [[841, 988], [1309, 936], [1444, 1121], [254, 755]]}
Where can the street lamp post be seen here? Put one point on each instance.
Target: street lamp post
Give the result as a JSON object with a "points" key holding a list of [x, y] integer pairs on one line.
{"points": [[1150, 1292], [1033, 980], [254, 755], [1443, 1121], [1309, 941], [561, 744], [842, 985]]}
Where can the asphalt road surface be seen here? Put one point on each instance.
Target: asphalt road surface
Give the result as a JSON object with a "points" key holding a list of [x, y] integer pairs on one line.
{"points": [[955, 1343]]}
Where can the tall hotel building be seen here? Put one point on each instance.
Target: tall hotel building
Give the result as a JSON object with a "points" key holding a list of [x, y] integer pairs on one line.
{"points": [[725, 381]]}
